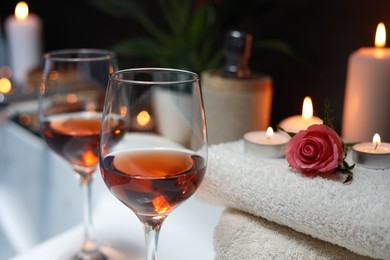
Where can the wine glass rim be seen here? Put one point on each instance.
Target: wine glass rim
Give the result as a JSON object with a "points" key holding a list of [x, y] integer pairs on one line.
{"points": [[114, 76], [57, 55]]}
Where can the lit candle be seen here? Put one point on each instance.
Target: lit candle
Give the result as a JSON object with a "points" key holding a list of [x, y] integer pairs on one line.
{"points": [[366, 103], [265, 143], [375, 155], [296, 123], [23, 32], [5, 86]]}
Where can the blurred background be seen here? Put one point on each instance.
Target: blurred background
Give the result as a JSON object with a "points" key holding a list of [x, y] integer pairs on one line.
{"points": [[303, 45]]}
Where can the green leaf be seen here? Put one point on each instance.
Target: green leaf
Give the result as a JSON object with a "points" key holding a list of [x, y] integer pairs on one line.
{"points": [[182, 9], [286, 48], [170, 15], [275, 45], [138, 47], [119, 8], [185, 37], [326, 114], [345, 168], [200, 26], [214, 61], [349, 178], [126, 9]]}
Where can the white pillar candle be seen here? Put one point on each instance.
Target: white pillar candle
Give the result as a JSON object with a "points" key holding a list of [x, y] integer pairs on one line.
{"points": [[296, 123], [367, 93], [23, 31]]}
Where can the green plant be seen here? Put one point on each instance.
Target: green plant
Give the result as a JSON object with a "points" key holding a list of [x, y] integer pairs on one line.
{"points": [[188, 34]]}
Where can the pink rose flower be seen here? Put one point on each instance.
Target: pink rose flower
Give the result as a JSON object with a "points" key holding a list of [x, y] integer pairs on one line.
{"points": [[317, 150]]}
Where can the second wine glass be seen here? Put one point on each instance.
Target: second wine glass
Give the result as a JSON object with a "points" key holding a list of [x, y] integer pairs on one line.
{"points": [[160, 159], [70, 105]]}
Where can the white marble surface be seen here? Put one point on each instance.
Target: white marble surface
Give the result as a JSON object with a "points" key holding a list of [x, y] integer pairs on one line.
{"points": [[40, 210]]}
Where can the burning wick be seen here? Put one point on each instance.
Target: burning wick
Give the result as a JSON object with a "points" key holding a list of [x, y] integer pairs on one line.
{"points": [[307, 108], [269, 133], [376, 140]]}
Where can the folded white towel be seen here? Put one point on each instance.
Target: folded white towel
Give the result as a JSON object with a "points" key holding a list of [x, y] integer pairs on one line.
{"points": [[355, 216], [240, 235]]}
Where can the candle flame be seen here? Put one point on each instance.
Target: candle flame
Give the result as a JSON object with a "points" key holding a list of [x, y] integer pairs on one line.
{"points": [[5, 86], [380, 36], [376, 140], [143, 118], [90, 159], [21, 11], [123, 111], [71, 98], [269, 132], [90, 107], [307, 108]]}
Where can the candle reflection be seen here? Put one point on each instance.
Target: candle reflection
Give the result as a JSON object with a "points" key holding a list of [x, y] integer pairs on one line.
{"points": [[143, 118], [143, 121]]}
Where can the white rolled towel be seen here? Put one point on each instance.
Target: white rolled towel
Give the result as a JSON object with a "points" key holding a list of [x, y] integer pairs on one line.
{"points": [[355, 216], [240, 235]]}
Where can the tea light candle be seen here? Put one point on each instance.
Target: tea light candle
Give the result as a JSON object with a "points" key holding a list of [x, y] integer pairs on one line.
{"points": [[375, 155], [23, 32], [265, 143], [296, 123]]}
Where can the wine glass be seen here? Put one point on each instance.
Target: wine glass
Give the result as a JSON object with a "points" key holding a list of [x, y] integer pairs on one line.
{"points": [[160, 159], [70, 105]]}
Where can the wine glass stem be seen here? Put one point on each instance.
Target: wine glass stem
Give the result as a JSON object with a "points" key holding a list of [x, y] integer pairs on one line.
{"points": [[89, 243], [152, 232]]}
